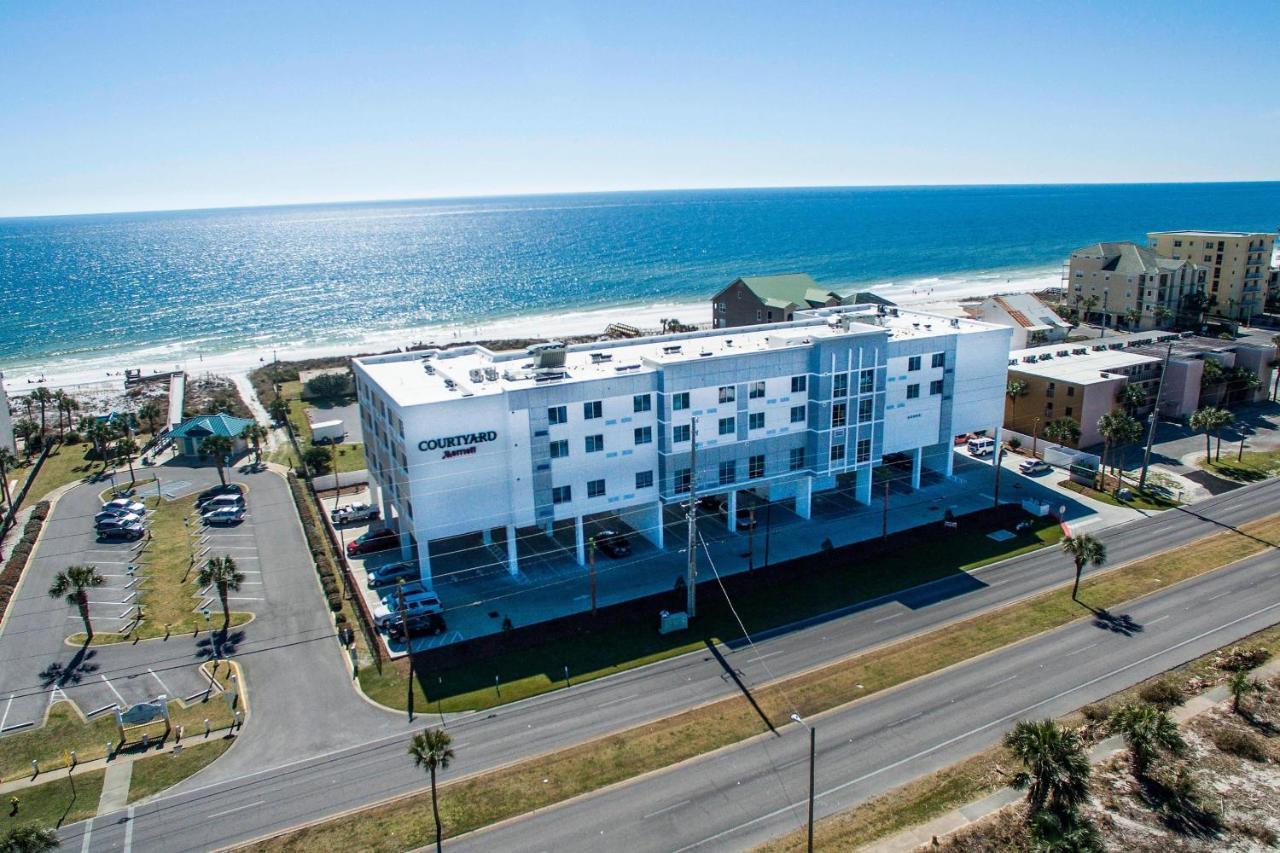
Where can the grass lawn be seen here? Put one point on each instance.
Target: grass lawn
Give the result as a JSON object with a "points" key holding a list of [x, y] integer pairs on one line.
{"points": [[1253, 466], [66, 464], [63, 800], [65, 730], [764, 600], [545, 780], [1140, 500], [169, 591], [153, 775], [350, 455]]}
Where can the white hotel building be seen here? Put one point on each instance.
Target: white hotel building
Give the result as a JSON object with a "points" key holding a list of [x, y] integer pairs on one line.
{"points": [[467, 440]]}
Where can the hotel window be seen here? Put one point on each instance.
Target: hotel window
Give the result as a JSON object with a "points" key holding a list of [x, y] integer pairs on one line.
{"points": [[592, 410], [680, 433], [864, 450], [799, 384], [935, 387], [595, 443], [840, 385], [837, 453], [913, 363], [561, 494], [644, 435], [644, 479], [796, 462], [682, 481], [728, 472], [755, 467], [867, 382], [755, 420], [1177, 243], [1068, 411], [727, 394], [1071, 390], [595, 488], [758, 315], [560, 449], [865, 410], [797, 414], [680, 401], [839, 415], [913, 391], [756, 391], [557, 415], [641, 403], [727, 426], [939, 359]]}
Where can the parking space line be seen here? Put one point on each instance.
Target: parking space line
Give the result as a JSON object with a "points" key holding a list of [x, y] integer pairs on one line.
{"points": [[95, 712], [107, 682], [166, 690], [245, 598], [7, 706]]}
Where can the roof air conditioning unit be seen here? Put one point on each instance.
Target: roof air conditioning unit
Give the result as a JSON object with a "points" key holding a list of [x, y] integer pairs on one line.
{"points": [[476, 374], [548, 355]]}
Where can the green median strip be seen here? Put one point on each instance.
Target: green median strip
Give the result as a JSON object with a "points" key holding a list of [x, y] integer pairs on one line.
{"points": [[471, 803]]}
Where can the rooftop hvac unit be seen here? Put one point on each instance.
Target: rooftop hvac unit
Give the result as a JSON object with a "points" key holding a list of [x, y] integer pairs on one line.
{"points": [[548, 355], [955, 323], [600, 357], [491, 374], [450, 384], [671, 350], [475, 374], [429, 368]]}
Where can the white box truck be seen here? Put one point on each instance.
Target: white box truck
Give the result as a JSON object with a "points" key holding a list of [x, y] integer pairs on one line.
{"points": [[327, 432]]}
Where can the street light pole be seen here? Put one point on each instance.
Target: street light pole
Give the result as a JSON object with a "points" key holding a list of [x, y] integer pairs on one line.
{"points": [[591, 562], [768, 525], [691, 515], [751, 539], [884, 521], [813, 749], [995, 502]]}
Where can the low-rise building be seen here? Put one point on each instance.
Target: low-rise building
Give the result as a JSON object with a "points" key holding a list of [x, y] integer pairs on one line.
{"points": [[1238, 264], [1032, 321], [758, 299], [466, 440], [1124, 285], [191, 433]]}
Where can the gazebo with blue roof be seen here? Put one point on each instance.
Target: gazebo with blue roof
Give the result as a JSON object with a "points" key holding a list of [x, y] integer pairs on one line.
{"points": [[191, 433]]}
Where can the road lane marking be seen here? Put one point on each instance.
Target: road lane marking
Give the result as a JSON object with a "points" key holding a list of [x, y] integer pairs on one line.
{"points": [[1001, 681], [914, 716], [236, 809], [107, 682], [88, 833], [128, 831], [1219, 595], [887, 618], [616, 701], [1158, 619], [669, 808], [1078, 651]]}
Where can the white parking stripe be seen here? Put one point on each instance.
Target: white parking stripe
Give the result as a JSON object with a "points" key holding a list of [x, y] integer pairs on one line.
{"points": [[166, 690], [107, 682], [7, 706]]}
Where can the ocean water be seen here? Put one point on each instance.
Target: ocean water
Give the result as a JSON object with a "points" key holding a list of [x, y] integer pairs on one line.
{"points": [[81, 287]]}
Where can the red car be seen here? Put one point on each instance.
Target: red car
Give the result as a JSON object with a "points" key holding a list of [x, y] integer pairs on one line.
{"points": [[373, 541]]}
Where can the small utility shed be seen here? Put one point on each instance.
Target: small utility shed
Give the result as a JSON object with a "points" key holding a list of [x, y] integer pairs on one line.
{"points": [[191, 433]]}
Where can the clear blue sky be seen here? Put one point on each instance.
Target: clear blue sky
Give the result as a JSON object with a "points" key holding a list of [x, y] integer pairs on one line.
{"points": [[109, 106]]}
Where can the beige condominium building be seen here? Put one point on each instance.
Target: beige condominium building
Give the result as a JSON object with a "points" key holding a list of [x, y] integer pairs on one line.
{"points": [[1124, 285], [1238, 265]]}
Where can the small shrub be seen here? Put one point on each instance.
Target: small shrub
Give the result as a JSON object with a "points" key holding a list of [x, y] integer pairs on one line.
{"points": [[1164, 694], [1237, 659], [1014, 443], [1240, 743], [335, 604], [1259, 832], [1098, 712]]}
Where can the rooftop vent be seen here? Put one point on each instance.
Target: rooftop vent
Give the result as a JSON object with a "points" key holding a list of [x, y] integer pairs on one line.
{"points": [[491, 374], [671, 350], [548, 355], [475, 374], [429, 368], [600, 357], [955, 323], [623, 368]]}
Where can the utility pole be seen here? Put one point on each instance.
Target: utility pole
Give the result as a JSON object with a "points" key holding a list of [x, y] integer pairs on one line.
{"points": [[408, 643], [813, 750], [1035, 434], [1155, 420], [591, 562], [995, 503], [884, 521], [768, 519], [751, 537], [691, 516]]}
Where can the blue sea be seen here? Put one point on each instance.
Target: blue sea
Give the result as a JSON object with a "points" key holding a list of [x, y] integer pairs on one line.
{"points": [[79, 288]]}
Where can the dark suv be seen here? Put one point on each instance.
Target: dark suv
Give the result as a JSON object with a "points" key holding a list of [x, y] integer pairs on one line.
{"points": [[612, 544], [422, 623], [372, 542]]}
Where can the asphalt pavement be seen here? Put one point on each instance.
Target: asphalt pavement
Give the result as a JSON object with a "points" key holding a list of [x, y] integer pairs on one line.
{"points": [[270, 789]]}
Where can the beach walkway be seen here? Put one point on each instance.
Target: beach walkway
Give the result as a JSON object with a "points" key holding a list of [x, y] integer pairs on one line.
{"points": [[177, 390]]}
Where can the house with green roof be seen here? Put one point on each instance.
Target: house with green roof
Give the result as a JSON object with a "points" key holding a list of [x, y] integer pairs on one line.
{"points": [[191, 433], [768, 299]]}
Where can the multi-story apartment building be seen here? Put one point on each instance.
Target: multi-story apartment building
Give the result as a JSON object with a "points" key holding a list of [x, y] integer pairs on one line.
{"points": [[1125, 285], [758, 299], [1238, 265], [6, 421], [466, 440]]}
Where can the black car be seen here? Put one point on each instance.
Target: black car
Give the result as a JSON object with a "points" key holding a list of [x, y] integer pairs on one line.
{"points": [[423, 623], [612, 544], [372, 541], [128, 532], [209, 494]]}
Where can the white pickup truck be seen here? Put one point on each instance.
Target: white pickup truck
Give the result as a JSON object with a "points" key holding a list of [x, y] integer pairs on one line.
{"points": [[354, 512]]}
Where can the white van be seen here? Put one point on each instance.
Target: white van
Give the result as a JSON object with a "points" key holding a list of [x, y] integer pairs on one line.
{"points": [[982, 446], [416, 604]]}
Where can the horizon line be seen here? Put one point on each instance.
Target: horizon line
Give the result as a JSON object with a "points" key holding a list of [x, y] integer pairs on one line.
{"points": [[565, 193]]}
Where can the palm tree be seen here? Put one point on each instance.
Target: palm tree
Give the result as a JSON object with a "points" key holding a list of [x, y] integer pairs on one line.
{"points": [[58, 397], [100, 432], [7, 462], [1213, 376], [128, 448], [255, 434], [30, 839], [1132, 317], [1163, 315], [1054, 833], [1204, 419], [1242, 685], [1132, 398], [1057, 768], [1147, 730], [431, 750], [222, 573], [1083, 549], [279, 410], [1013, 390], [150, 412], [1089, 302], [1062, 431], [43, 398], [27, 430], [1117, 429], [218, 447], [1221, 418], [73, 585]]}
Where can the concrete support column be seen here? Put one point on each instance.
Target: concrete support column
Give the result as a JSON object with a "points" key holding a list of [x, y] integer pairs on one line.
{"points": [[386, 505], [649, 523], [804, 498], [551, 528], [862, 486], [732, 520], [424, 562], [917, 462], [406, 544], [513, 562], [578, 541], [486, 536]]}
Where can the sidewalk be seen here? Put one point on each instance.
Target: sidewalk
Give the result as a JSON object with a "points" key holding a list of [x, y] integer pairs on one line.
{"points": [[956, 819]]}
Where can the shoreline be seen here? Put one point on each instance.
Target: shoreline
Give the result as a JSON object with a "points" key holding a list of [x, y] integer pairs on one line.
{"points": [[939, 294]]}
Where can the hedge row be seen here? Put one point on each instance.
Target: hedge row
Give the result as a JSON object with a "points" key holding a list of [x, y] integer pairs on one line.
{"points": [[21, 553], [330, 582]]}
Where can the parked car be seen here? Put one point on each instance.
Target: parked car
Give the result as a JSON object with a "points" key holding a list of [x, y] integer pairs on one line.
{"points": [[393, 573], [223, 502], [224, 515], [1033, 466], [209, 494], [981, 446], [115, 512], [103, 520], [372, 542], [422, 623], [130, 531], [746, 518], [417, 604], [613, 544], [135, 507], [354, 512]]}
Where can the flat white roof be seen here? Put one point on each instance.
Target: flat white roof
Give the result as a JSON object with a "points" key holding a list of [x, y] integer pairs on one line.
{"points": [[431, 376], [1079, 368]]}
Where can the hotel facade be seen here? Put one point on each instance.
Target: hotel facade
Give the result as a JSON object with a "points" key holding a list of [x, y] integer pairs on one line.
{"points": [[466, 440]]}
